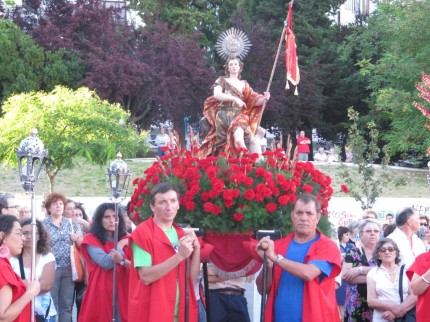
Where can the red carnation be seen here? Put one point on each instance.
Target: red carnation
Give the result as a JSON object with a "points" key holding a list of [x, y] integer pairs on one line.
{"points": [[249, 194], [228, 203], [283, 200], [190, 205], [307, 188], [344, 188], [238, 217], [216, 210], [271, 207]]}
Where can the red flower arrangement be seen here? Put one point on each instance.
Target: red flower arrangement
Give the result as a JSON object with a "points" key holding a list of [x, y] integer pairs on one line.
{"points": [[232, 194]]}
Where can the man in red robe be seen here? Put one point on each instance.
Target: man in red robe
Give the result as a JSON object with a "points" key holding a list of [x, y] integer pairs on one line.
{"points": [[160, 249], [301, 269]]}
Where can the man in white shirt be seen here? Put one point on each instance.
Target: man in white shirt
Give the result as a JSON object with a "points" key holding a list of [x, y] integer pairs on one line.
{"points": [[408, 223]]}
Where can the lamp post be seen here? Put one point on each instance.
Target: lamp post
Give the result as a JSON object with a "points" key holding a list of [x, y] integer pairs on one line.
{"points": [[117, 181], [31, 156]]}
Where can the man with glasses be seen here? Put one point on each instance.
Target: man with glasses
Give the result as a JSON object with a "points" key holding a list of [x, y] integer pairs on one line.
{"points": [[8, 205], [301, 269], [407, 224]]}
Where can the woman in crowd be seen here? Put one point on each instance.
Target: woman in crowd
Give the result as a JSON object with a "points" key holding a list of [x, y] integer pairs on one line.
{"points": [[353, 227], [419, 275], [100, 258], [15, 296], [383, 284], [358, 262], [45, 267], [343, 234], [63, 232], [233, 113], [82, 217]]}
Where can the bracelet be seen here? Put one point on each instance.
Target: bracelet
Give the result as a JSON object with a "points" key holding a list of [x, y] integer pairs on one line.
{"points": [[424, 279], [360, 270]]}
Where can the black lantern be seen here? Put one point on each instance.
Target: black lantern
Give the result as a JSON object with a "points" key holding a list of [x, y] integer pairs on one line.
{"points": [[117, 179], [31, 156]]}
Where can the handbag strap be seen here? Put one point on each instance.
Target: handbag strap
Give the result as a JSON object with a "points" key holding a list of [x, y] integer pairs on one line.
{"points": [[47, 310], [401, 283], [21, 267]]}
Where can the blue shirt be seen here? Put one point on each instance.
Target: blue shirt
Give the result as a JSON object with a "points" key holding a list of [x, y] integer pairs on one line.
{"points": [[289, 299]]}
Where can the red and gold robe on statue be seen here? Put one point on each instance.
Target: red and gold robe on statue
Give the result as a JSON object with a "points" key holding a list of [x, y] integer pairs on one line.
{"points": [[224, 119]]}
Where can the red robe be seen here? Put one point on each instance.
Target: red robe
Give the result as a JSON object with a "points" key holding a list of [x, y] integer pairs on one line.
{"points": [[319, 300], [248, 118], [156, 302], [98, 293], [420, 267], [9, 277]]}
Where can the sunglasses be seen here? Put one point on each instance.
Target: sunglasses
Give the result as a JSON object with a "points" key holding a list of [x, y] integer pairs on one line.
{"points": [[383, 249], [423, 224], [16, 206]]}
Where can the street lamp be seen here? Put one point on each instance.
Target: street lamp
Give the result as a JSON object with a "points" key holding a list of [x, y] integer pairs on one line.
{"points": [[31, 156], [117, 181]]}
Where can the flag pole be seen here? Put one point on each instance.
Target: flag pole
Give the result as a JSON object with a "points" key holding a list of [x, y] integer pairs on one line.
{"points": [[274, 66]]}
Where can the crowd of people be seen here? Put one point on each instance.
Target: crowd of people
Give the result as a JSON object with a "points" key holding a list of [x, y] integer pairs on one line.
{"points": [[376, 272]]}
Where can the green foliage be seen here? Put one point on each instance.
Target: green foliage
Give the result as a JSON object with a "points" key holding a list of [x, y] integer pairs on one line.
{"points": [[21, 61], [70, 123], [62, 67], [401, 52], [364, 143]]}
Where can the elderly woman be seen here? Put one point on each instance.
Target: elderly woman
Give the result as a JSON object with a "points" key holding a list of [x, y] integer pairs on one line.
{"points": [[63, 232], [101, 257], [15, 296], [45, 268], [358, 262], [383, 284], [419, 274]]}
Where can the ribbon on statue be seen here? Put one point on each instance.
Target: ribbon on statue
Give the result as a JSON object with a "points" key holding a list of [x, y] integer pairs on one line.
{"points": [[292, 66], [230, 257]]}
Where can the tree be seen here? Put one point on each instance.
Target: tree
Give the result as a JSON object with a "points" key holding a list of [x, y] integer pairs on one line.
{"points": [[364, 143], [395, 29], [21, 61], [26, 67], [71, 124], [155, 73]]}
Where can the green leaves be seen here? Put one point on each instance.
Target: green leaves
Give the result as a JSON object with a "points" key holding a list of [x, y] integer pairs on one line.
{"points": [[70, 123]]}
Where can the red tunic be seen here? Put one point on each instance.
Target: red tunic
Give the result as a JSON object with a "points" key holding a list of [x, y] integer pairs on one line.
{"points": [[97, 302], [319, 300], [9, 277], [156, 302], [420, 267]]}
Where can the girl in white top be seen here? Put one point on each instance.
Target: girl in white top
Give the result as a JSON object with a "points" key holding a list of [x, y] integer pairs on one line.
{"points": [[45, 267], [383, 284]]}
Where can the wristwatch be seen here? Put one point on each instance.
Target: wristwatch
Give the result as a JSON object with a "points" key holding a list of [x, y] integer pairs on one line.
{"points": [[122, 262], [360, 270], [279, 258]]}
